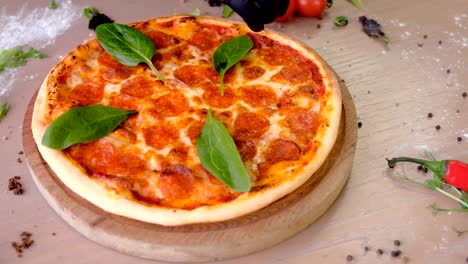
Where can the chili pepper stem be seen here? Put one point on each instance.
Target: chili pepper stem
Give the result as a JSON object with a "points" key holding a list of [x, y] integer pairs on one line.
{"points": [[438, 167], [435, 208], [464, 203], [460, 232]]}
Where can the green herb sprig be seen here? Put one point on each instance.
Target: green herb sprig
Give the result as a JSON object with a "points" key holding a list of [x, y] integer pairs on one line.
{"points": [[196, 12], [53, 5], [227, 11], [3, 110], [89, 12], [15, 57], [127, 45], [357, 3], [228, 54], [219, 155], [341, 21], [83, 124]]}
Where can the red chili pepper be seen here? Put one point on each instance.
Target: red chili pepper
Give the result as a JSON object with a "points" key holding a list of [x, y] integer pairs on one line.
{"points": [[453, 172]]}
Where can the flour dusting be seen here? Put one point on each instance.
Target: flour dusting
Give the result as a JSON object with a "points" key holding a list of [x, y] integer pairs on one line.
{"points": [[37, 28]]}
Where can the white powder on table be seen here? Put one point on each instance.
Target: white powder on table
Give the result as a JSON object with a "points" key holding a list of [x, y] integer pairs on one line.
{"points": [[37, 28]]}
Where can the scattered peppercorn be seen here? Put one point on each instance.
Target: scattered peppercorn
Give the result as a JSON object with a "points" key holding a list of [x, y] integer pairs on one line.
{"points": [[438, 127], [319, 26], [425, 169], [464, 94], [349, 257], [26, 243], [420, 45], [15, 185], [380, 251], [54, 234], [397, 242], [425, 36], [430, 115], [359, 125], [459, 139], [466, 260], [420, 167], [395, 253], [440, 42], [19, 160], [21, 152], [366, 248], [448, 71]]}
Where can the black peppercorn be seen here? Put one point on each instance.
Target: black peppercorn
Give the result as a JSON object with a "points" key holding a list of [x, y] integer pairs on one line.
{"points": [[380, 251], [396, 253], [438, 127], [359, 125], [420, 167], [430, 115], [459, 139], [349, 257], [397, 242], [425, 170], [464, 94]]}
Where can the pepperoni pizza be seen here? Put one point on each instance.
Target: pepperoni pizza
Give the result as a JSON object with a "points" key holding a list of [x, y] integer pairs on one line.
{"points": [[281, 105]]}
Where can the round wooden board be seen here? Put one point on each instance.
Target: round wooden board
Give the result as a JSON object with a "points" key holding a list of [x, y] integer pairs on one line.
{"points": [[202, 242]]}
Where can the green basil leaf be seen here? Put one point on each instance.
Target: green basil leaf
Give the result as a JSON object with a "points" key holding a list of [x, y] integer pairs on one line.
{"points": [[228, 54], [3, 110], [89, 12], [53, 5], [83, 124], [127, 45], [227, 11], [219, 155], [196, 12], [15, 57]]}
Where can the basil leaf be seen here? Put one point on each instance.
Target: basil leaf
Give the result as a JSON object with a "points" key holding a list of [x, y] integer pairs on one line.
{"points": [[83, 124], [227, 11], [228, 54], [15, 57], [53, 5], [219, 155], [127, 45], [3, 110], [196, 12], [89, 12]]}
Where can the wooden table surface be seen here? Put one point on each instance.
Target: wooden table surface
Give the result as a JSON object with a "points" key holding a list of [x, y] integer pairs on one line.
{"points": [[422, 70]]}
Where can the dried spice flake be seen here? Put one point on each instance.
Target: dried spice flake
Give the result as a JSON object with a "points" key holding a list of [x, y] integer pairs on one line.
{"points": [[372, 28], [26, 242]]}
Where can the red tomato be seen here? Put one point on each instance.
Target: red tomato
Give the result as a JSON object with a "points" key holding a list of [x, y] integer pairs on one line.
{"points": [[311, 8], [289, 12]]}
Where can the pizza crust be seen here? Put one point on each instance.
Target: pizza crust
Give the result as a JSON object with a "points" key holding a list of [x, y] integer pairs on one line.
{"points": [[100, 195]]}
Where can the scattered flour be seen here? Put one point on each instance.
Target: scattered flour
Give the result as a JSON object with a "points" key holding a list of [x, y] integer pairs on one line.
{"points": [[37, 28]]}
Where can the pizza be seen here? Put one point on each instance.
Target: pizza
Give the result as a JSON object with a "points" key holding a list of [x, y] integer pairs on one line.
{"points": [[281, 105]]}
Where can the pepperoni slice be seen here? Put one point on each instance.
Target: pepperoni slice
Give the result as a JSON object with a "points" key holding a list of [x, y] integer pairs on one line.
{"points": [[125, 135], [176, 182], [194, 130], [258, 95], [293, 72], [140, 86], [87, 93], [251, 125], [204, 39], [124, 101], [212, 96], [195, 74], [276, 56], [160, 135], [301, 120], [247, 149], [105, 59], [253, 72], [103, 157], [171, 104], [282, 150], [161, 39]]}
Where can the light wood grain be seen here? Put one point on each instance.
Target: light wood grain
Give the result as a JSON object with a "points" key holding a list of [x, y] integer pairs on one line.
{"points": [[202, 242]]}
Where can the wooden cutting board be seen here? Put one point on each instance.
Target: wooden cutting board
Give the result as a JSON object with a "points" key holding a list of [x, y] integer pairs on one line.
{"points": [[202, 242]]}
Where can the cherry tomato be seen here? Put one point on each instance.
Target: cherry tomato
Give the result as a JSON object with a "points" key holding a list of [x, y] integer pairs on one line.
{"points": [[311, 8], [289, 12]]}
